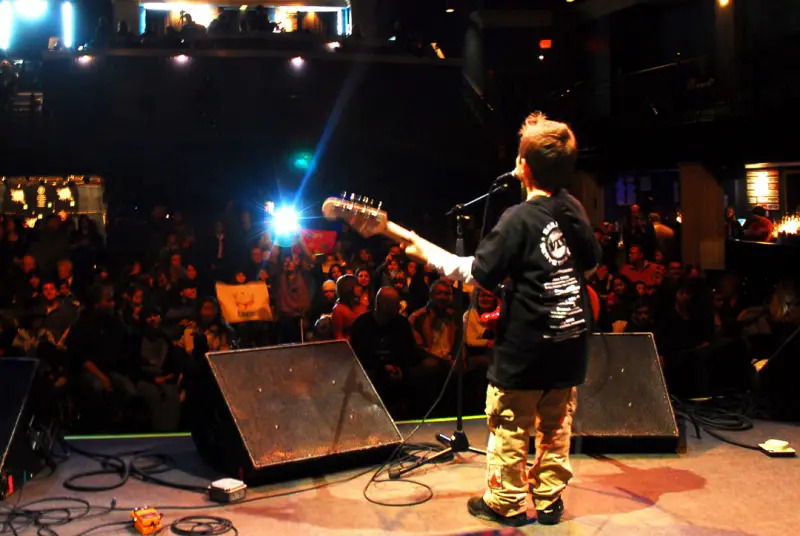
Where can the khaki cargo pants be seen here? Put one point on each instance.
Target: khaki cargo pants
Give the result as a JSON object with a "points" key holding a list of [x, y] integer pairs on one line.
{"points": [[513, 414]]}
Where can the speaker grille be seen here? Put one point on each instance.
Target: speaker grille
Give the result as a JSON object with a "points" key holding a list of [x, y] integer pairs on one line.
{"points": [[301, 402], [625, 394]]}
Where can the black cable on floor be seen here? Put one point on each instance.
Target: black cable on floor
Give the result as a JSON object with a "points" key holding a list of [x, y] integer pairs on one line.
{"points": [[715, 415], [393, 461], [205, 525], [46, 513], [143, 466]]}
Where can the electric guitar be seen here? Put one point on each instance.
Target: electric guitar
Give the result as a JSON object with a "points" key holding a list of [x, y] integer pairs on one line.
{"points": [[368, 219]]}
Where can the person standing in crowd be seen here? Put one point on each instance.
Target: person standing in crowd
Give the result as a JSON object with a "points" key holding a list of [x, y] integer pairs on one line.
{"points": [[757, 227], [733, 229], [637, 231], [664, 236], [546, 247], [292, 296]]}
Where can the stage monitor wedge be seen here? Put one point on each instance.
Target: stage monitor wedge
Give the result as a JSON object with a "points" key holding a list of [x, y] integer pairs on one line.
{"points": [[281, 412], [624, 405]]}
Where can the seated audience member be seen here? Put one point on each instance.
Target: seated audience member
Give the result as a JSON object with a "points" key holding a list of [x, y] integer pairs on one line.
{"points": [[157, 366], [383, 273], [620, 305], [366, 292], [98, 344], [684, 327], [28, 294], [132, 307], [399, 281], [57, 315], [728, 305], [194, 277], [478, 338], [176, 272], [757, 227], [641, 319], [181, 312], [335, 271], [239, 277], [675, 271], [348, 307], [420, 279], [383, 342], [638, 268], [363, 260], [209, 332], [478, 345], [323, 329], [162, 292], [437, 332], [64, 275], [642, 290], [603, 282], [692, 272], [324, 301], [255, 264]]}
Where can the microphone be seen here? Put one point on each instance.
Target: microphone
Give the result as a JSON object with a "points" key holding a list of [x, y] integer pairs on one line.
{"points": [[504, 181]]}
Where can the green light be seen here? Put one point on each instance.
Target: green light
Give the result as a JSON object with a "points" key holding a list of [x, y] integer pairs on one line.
{"points": [[302, 161]]}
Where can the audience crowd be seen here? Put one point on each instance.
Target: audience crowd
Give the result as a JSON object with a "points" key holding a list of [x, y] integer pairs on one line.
{"points": [[120, 340]]}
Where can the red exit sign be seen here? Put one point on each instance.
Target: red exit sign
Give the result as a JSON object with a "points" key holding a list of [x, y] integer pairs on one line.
{"points": [[545, 44]]}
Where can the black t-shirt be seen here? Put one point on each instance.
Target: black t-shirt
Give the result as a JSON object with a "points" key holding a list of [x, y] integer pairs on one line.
{"points": [[545, 316]]}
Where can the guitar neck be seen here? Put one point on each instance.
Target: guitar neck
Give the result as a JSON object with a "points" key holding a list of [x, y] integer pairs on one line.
{"points": [[399, 233]]}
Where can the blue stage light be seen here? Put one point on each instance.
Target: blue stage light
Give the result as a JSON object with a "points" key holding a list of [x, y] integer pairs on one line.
{"points": [[6, 23], [67, 25], [286, 221], [31, 9]]}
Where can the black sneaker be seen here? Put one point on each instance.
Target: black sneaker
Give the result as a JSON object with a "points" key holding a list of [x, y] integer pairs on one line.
{"points": [[478, 508], [552, 514]]}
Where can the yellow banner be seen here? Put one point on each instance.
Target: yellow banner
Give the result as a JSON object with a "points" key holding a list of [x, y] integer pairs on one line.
{"points": [[244, 303]]}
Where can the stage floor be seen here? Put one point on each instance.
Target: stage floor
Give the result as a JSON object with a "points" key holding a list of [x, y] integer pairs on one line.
{"points": [[712, 489]]}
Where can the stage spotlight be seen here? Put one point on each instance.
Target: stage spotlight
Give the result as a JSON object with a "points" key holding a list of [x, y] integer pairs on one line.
{"points": [[84, 59], [285, 222], [181, 59], [297, 62]]}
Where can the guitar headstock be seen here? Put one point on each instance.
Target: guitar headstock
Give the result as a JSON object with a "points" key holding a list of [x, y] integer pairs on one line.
{"points": [[361, 213]]}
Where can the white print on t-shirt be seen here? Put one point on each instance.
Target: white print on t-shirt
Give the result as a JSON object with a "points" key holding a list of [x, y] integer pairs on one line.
{"points": [[562, 294], [554, 245]]}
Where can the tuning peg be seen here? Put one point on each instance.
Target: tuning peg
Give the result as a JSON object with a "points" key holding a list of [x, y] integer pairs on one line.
{"points": [[344, 195], [352, 197], [380, 204]]}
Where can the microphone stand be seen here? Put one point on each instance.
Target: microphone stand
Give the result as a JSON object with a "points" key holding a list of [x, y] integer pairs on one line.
{"points": [[458, 442]]}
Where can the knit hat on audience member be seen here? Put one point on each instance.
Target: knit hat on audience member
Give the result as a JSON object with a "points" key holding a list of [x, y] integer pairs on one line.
{"points": [[330, 284]]}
